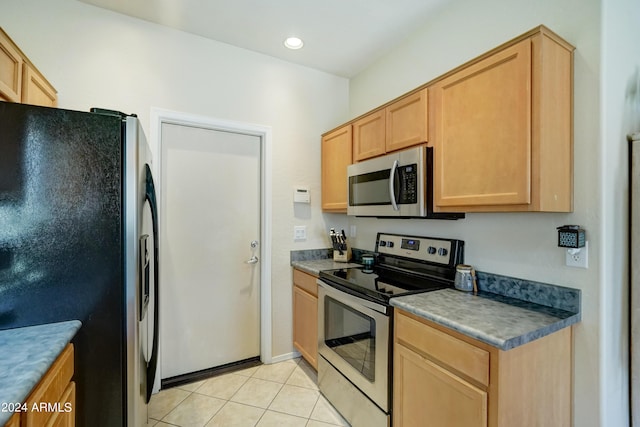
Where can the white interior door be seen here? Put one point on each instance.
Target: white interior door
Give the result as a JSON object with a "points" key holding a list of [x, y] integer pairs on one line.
{"points": [[210, 215]]}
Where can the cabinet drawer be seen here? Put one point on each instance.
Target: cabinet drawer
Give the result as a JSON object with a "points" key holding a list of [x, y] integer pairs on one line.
{"points": [[443, 348], [305, 281], [50, 389]]}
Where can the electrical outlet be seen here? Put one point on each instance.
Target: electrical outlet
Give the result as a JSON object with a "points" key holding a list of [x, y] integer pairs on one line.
{"points": [[352, 231], [579, 259], [300, 232]]}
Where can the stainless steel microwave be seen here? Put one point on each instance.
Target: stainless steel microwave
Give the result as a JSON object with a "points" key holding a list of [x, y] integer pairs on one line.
{"points": [[396, 185]]}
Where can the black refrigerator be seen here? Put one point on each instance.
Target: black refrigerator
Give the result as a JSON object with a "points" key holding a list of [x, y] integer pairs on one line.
{"points": [[78, 240]]}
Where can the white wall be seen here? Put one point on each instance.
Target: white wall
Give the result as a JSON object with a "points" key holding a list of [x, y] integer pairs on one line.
{"points": [[98, 58], [524, 245]]}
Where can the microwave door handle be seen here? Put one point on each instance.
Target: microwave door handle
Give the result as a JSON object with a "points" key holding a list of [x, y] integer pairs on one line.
{"points": [[392, 179]]}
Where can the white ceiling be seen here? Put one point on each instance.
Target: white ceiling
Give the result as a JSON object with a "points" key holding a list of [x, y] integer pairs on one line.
{"points": [[342, 37]]}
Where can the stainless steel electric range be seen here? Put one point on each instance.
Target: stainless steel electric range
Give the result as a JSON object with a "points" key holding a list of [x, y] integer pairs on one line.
{"points": [[355, 320]]}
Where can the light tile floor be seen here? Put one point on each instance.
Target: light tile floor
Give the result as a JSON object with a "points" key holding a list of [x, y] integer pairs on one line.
{"points": [[282, 394]]}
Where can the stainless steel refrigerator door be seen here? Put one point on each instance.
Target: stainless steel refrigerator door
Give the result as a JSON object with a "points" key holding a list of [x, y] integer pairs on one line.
{"points": [[140, 273], [634, 290]]}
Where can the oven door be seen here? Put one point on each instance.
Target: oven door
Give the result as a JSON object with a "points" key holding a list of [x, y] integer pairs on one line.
{"points": [[353, 335], [389, 186]]}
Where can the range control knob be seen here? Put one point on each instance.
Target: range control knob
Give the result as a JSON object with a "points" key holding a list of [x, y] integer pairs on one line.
{"points": [[382, 243], [442, 252], [431, 250], [390, 244]]}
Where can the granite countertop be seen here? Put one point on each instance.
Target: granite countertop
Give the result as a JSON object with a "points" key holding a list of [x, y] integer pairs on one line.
{"points": [[497, 320], [507, 312], [314, 266], [27, 354]]}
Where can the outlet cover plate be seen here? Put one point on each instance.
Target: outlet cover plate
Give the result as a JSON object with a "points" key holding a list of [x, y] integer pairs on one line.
{"points": [[580, 259], [300, 232]]}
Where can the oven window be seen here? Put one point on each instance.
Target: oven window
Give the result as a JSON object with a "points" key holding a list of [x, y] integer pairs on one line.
{"points": [[352, 335]]}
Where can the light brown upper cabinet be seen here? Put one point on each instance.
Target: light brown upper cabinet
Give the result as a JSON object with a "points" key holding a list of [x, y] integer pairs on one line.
{"points": [[11, 64], [20, 80], [407, 121], [336, 156], [501, 128], [369, 135], [36, 90], [399, 125]]}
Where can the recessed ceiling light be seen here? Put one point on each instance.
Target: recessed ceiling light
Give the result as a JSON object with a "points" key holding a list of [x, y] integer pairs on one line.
{"points": [[293, 43]]}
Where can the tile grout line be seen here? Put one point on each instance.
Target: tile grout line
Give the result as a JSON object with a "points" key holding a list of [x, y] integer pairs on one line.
{"points": [[298, 362]]}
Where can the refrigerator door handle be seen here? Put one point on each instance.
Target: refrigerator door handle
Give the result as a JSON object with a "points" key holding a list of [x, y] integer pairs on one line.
{"points": [[144, 275], [150, 196]]}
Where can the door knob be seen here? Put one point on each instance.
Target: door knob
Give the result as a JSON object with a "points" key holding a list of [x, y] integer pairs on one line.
{"points": [[252, 260]]}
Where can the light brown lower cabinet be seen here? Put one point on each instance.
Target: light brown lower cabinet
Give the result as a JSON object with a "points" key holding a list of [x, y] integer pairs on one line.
{"points": [[443, 378], [52, 401], [14, 421], [305, 316]]}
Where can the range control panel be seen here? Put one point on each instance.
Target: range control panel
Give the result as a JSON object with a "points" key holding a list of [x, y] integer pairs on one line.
{"points": [[430, 249]]}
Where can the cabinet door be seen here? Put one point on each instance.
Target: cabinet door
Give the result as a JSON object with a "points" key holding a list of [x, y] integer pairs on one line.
{"points": [[36, 90], [305, 325], [406, 122], [65, 417], [369, 136], [481, 132], [11, 64], [427, 395], [336, 156]]}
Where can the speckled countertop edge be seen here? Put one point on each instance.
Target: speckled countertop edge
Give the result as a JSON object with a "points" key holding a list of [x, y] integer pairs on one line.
{"points": [[502, 323], [26, 355], [314, 266]]}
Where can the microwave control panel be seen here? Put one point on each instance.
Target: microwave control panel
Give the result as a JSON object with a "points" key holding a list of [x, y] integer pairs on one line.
{"points": [[408, 178]]}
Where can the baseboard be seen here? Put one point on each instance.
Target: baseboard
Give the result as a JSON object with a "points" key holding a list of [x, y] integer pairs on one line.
{"points": [[208, 373], [283, 357]]}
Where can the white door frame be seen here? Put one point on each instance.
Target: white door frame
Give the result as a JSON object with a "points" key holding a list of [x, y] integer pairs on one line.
{"points": [[160, 116]]}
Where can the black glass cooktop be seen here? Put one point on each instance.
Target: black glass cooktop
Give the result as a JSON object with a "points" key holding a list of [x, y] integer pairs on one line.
{"points": [[382, 283]]}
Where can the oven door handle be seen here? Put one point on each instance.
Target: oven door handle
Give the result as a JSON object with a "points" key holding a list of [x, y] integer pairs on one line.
{"points": [[352, 300]]}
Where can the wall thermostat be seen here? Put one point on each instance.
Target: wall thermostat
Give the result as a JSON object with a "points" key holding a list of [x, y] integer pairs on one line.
{"points": [[301, 195]]}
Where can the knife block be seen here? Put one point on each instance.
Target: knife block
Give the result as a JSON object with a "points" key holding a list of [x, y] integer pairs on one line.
{"points": [[345, 248]]}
